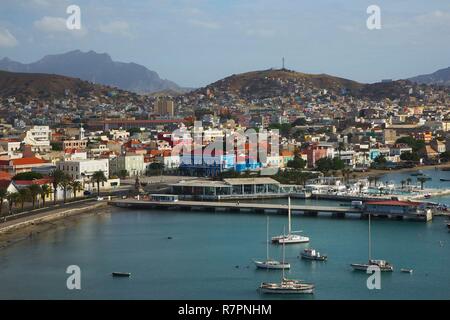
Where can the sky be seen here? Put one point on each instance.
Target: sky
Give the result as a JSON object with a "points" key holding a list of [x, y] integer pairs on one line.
{"points": [[196, 42]]}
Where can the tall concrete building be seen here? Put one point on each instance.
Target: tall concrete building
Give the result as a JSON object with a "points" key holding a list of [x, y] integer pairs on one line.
{"points": [[164, 107]]}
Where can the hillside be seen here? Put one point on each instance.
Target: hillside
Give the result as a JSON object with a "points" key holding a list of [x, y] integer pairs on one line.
{"points": [[44, 86], [268, 83], [440, 77], [96, 68]]}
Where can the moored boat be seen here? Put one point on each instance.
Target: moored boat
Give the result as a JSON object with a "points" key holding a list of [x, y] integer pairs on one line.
{"points": [[312, 254], [383, 265], [287, 286], [404, 270], [290, 237], [270, 263], [121, 274]]}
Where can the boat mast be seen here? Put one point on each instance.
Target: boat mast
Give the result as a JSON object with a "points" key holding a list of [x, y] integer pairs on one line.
{"points": [[283, 259], [289, 215], [267, 242], [370, 246]]}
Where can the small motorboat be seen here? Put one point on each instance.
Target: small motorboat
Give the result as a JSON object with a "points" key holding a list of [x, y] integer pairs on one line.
{"points": [[311, 254], [443, 180], [121, 274], [448, 225], [427, 196], [406, 270]]}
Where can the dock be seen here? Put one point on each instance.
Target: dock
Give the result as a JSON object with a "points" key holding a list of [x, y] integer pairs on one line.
{"points": [[306, 210]]}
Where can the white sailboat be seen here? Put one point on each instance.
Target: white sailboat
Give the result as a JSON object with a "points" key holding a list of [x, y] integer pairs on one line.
{"points": [[382, 264], [290, 237], [270, 263], [286, 286]]}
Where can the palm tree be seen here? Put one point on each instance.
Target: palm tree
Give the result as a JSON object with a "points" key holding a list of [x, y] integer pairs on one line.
{"points": [[64, 183], [422, 181], [44, 192], [403, 183], [12, 197], [408, 181], [24, 196], [57, 176], [3, 194], [97, 177], [376, 179], [76, 187], [34, 190]]}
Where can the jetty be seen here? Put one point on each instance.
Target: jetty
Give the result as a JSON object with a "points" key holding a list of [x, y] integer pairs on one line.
{"points": [[391, 209]]}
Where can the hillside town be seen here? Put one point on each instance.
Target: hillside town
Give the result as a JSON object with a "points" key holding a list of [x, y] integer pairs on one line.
{"points": [[78, 146]]}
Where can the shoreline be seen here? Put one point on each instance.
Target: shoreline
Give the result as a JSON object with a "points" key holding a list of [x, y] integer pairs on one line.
{"points": [[24, 228], [378, 173]]}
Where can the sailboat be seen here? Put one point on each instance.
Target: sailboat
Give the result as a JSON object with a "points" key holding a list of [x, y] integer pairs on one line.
{"points": [[290, 237], [286, 286], [382, 264], [269, 263]]}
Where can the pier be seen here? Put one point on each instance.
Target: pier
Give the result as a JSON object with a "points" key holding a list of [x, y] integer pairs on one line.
{"points": [[306, 210]]}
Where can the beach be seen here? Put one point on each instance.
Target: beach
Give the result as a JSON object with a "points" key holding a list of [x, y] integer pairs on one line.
{"points": [[24, 228]]}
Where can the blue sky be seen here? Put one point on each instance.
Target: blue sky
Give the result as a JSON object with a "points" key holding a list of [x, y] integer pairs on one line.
{"points": [[195, 42]]}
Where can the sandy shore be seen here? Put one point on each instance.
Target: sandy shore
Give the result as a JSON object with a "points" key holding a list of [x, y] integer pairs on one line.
{"points": [[25, 228], [377, 173]]}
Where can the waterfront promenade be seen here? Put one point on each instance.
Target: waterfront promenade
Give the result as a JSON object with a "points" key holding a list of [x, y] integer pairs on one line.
{"points": [[307, 210]]}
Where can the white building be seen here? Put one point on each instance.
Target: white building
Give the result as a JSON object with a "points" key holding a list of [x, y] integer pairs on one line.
{"points": [[132, 163], [10, 146], [38, 137], [84, 169]]}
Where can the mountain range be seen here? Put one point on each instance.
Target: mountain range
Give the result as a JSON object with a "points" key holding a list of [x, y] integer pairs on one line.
{"points": [[96, 68], [440, 77]]}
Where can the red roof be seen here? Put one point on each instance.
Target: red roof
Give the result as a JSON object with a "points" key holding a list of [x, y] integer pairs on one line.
{"points": [[35, 181], [394, 203], [24, 161]]}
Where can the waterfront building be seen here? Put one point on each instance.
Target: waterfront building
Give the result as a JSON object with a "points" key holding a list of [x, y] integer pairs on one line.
{"points": [[233, 188], [400, 209], [84, 169], [133, 164]]}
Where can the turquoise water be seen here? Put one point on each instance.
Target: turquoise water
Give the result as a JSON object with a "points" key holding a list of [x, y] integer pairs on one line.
{"points": [[209, 257]]}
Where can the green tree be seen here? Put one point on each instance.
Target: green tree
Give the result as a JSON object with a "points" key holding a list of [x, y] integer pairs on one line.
{"points": [[297, 163], [76, 186], [65, 185], [3, 195], [28, 176], [34, 190], [422, 181], [408, 156], [46, 190], [416, 145], [57, 176], [123, 174], [24, 196], [98, 177], [13, 198]]}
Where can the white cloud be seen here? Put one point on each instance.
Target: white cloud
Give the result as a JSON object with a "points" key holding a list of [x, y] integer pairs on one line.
{"points": [[51, 24], [7, 39], [121, 28], [204, 24], [54, 25]]}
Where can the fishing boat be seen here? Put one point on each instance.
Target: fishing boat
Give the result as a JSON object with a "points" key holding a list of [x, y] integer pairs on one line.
{"points": [[382, 264], [290, 237], [121, 274], [270, 263], [406, 270], [312, 254], [286, 286]]}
